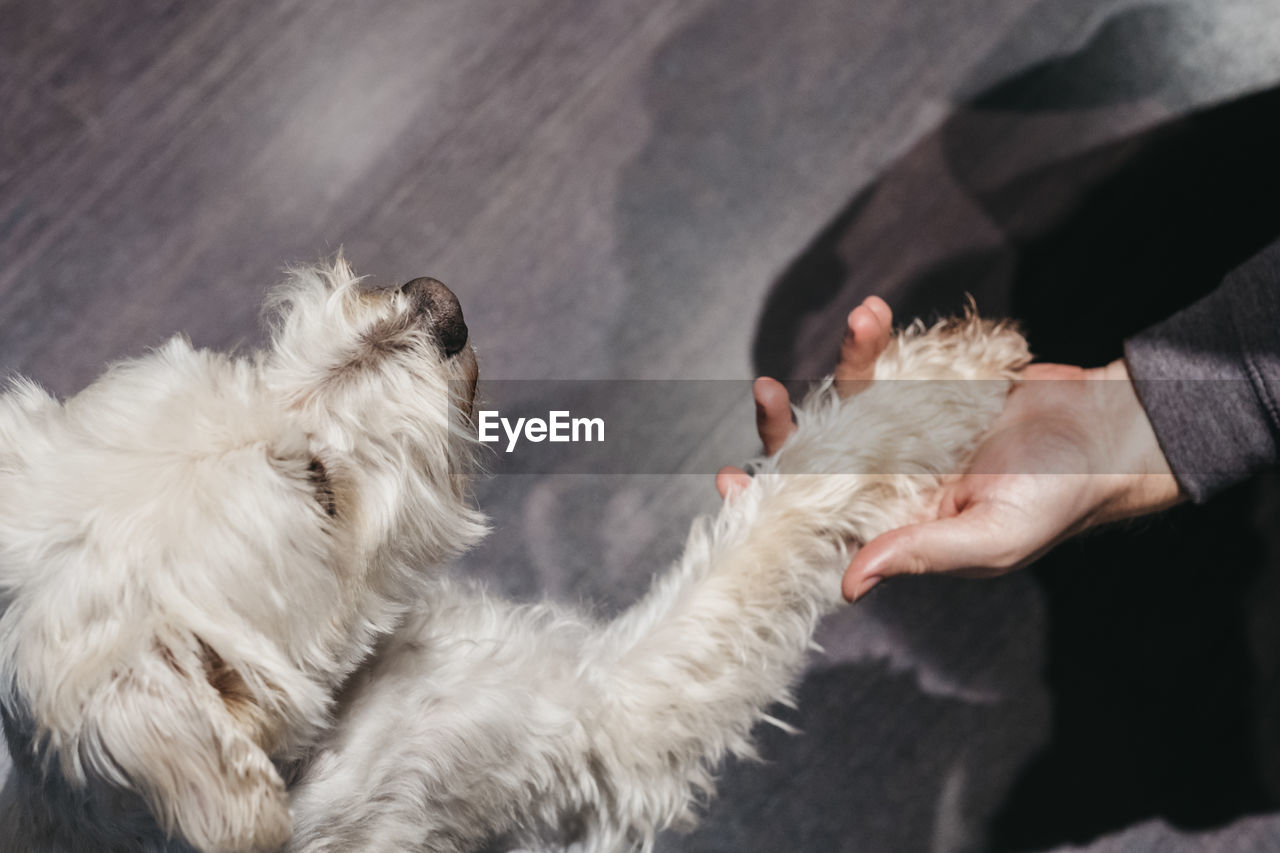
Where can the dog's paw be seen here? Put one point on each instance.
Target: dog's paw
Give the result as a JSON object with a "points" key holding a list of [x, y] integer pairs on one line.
{"points": [[960, 348], [883, 450]]}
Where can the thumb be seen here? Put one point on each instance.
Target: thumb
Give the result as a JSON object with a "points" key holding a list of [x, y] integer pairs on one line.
{"points": [[948, 545]]}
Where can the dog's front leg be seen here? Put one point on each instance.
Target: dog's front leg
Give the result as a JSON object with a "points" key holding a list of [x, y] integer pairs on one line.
{"points": [[681, 679]]}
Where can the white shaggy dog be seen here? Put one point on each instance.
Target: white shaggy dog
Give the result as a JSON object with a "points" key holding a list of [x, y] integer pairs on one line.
{"points": [[219, 575]]}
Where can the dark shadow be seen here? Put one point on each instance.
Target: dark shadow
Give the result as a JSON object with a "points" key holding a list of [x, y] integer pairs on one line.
{"points": [[1092, 249], [844, 735], [1106, 71], [1152, 678], [1158, 694]]}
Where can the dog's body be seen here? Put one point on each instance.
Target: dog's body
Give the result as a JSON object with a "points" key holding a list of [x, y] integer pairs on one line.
{"points": [[218, 571]]}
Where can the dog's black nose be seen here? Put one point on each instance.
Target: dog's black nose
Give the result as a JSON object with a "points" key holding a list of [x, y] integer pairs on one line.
{"points": [[440, 310]]}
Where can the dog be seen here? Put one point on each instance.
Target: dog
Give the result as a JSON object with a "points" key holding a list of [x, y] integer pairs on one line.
{"points": [[226, 625]]}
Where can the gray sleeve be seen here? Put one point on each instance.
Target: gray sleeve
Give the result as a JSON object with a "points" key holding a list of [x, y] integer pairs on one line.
{"points": [[1209, 379]]}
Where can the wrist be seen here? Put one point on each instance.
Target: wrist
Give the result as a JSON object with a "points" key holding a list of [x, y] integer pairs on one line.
{"points": [[1137, 479]]}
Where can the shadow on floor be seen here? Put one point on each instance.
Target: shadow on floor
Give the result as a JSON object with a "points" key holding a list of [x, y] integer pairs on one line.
{"points": [[1162, 681]]}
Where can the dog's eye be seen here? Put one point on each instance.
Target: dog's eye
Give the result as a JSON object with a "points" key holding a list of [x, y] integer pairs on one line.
{"points": [[324, 487]]}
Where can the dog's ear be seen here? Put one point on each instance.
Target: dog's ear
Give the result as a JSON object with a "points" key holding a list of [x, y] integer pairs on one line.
{"points": [[182, 730]]}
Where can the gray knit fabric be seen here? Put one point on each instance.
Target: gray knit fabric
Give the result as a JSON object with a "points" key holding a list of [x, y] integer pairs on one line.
{"points": [[1209, 379]]}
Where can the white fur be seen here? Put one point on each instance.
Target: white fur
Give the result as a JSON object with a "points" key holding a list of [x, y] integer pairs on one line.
{"points": [[184, 621]]}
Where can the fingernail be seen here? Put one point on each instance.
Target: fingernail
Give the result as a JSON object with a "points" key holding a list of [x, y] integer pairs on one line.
{"points": [[867, 584]]}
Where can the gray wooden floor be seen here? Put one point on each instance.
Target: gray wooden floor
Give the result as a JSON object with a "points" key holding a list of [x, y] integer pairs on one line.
{"points": [[620, 190]]}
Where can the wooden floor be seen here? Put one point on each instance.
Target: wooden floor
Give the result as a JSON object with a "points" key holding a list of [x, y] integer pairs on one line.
{"points": [[699, 189]]}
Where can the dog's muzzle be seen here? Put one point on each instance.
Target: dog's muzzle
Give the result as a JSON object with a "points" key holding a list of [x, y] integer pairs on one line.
{"points": [[440, 311]]}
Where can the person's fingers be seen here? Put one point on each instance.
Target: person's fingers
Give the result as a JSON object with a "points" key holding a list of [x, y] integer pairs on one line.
{"points": [[773, 413], [858, 349], [773, 423], [882, 311], [968, 543], [869, 327], [730, 480]]}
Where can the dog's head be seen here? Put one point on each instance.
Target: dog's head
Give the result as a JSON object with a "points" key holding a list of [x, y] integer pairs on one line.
{"points": [[197, 549]]}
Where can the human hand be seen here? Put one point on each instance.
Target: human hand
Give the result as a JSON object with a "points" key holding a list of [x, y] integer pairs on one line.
{"points": [[1072, 449], [867, 332]]}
